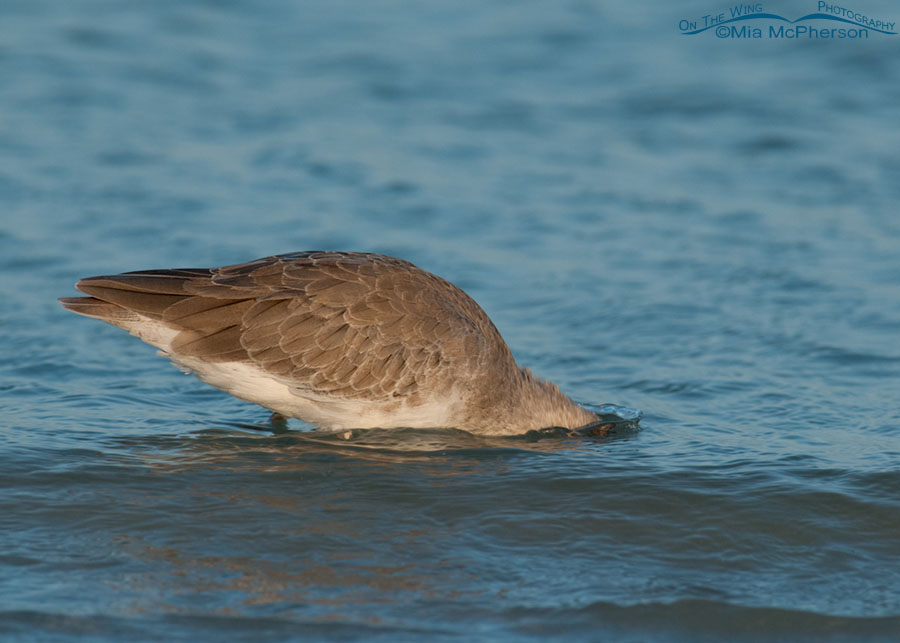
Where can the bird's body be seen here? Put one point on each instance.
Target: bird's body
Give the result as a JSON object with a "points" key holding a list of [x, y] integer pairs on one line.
{"points": [[339, 339]]}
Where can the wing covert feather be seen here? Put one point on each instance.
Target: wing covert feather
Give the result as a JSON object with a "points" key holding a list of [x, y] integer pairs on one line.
{"points": [[365, 325]]}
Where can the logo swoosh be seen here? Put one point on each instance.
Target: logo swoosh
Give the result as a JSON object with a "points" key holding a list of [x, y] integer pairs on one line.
{"points": [[772, 16]]}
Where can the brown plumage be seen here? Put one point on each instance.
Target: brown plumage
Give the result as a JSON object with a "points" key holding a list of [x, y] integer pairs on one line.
{"points": [[341, 339]]}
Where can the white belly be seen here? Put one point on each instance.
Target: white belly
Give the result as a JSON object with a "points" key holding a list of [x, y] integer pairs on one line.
{"points": [[251, 383]]}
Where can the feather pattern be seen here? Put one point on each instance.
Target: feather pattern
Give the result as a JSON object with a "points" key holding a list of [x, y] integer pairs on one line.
{"points": [[342, 339]]}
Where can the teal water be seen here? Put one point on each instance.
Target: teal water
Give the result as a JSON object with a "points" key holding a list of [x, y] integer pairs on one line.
{"points": [[705, 229]]}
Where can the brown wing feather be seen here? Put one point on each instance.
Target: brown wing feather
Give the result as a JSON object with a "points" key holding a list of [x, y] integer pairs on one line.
{"points": [[366, 326]]}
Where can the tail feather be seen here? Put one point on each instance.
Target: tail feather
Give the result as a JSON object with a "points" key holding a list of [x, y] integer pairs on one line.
{"points": [[98, 309], [161, 282], [156, 307], [152, 304]]}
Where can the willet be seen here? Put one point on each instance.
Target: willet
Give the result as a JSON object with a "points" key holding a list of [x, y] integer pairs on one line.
{"points": [[339, 339]]}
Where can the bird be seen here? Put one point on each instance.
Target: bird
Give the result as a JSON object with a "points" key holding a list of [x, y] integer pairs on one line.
{"points": [[342, 340]]}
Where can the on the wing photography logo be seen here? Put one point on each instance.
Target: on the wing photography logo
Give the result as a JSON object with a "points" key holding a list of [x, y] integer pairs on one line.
{"points": [[751, 21]]}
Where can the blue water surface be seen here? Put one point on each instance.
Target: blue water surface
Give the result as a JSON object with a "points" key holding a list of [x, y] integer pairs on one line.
{"points": [[703, 228]]}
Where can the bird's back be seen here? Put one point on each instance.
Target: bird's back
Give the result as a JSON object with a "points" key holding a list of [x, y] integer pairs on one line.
{"points": [[316, 335]]}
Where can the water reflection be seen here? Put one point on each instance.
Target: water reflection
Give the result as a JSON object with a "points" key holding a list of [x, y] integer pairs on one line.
{"points": [[256, 447], [331, 585]]}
